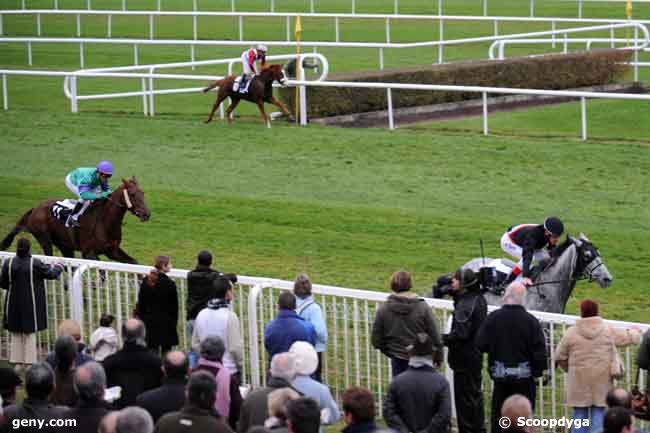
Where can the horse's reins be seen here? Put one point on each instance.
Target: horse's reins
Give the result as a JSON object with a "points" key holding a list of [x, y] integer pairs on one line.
{"points": [[589, 275]]}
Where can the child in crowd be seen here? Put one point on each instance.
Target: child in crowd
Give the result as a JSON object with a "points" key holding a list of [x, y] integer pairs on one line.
{"points": [[103, 341]]}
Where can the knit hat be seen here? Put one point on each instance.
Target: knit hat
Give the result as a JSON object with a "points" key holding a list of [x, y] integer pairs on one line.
{"points": [[306, 358]]}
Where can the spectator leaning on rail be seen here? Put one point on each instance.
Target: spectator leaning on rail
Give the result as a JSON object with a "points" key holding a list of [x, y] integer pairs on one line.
{"points": [[287, 327], [39, 384], [25, 310], [201, 290], [514, 342], [586, 351], [400, 319], [418, 399], [308, 309], [158, 307], [470, 310]]}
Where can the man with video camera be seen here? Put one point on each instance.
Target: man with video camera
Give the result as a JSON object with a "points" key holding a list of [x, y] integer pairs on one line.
{"points": [[470, 310]]}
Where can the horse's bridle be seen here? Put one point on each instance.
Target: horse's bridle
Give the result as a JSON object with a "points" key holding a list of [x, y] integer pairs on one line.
{"points": [[589, 272], [127, 200]]}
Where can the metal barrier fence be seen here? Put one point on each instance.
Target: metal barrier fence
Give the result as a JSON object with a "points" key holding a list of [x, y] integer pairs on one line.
{"points": [[438, 4], [349, 359], [388, 19]]}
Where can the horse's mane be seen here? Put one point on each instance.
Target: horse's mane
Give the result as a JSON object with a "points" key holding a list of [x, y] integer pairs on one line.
{"points": [[560, 249]]}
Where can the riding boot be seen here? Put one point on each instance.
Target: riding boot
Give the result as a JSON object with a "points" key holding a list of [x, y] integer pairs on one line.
{"points": [[73, 218]]}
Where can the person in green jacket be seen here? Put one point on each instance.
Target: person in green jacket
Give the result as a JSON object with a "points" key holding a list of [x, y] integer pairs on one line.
{"points": [[88, 184]]}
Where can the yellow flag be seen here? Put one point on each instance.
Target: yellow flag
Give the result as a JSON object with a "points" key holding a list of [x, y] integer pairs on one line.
{"points": [[628, 9], [298, 31]]}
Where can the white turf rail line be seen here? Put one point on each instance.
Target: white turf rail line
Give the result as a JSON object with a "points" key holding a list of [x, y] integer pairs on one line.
{"points": [[353, 7]]}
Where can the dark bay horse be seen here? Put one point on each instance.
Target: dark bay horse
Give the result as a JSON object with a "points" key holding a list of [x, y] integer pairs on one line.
{"points": [[259, 92], [101, 225]]}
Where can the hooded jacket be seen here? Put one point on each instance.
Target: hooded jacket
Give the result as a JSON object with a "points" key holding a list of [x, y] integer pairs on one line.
{"points": [[399, 320], [586, 352], [200, 288]]}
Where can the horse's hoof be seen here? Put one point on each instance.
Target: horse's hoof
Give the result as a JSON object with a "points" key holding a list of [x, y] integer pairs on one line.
{"points": [[206, 121]]}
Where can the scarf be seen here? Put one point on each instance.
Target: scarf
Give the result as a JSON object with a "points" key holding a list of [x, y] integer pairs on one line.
{"points": [[222, 403], [216, 303]]}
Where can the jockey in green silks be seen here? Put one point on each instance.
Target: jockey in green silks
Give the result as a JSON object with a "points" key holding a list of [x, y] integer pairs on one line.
{"points": [[88, 184]]}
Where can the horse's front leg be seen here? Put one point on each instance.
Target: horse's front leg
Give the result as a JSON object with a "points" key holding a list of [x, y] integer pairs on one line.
{"points": [[265, 118], [120, 255], [275, 101]]}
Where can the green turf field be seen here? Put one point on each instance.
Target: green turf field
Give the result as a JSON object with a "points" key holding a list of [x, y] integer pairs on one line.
{"points": [[347, 206]]}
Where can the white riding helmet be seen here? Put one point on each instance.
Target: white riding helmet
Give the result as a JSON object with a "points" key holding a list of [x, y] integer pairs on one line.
{"points": [[262, 47]]}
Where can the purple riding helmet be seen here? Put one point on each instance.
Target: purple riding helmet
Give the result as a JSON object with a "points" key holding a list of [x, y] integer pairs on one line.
{"points": [[105, 167]]}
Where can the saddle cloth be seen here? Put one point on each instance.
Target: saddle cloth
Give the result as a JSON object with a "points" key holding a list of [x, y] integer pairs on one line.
{"points": [[239, 85], [61, 209]]}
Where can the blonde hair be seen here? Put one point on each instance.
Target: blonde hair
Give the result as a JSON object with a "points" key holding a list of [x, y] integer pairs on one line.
{"points": [[278, 400]]}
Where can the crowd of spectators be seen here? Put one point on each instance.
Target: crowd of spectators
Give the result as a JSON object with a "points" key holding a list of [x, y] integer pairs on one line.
{"points": [[145, 386]]}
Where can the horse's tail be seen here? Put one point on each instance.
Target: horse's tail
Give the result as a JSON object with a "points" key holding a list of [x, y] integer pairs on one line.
{"points": [[212, 85], [20, 226]]}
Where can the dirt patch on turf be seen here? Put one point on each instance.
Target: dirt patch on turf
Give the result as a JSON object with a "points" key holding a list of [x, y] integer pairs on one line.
{"points": [[474, 107]]}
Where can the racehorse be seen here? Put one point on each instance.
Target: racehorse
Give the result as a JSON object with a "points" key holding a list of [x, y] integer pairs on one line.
{"points": [[101, 225], [574, 259], [260, 91]]}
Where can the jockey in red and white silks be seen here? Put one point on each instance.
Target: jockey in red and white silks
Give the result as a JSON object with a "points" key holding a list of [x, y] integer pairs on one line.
{"points": [[250, 57]]}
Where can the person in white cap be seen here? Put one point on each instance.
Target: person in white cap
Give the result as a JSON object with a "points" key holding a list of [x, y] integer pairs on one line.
{"points": [[249, 60], [306, 363]]}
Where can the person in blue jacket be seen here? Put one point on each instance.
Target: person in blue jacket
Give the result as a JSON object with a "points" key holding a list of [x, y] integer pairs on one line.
{"points": [[287, 327]]}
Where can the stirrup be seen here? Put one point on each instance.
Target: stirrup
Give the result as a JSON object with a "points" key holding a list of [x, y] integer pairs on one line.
{"points": [[71, 222]]}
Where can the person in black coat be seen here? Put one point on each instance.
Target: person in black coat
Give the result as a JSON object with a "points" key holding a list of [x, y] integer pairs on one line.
{"points": [[516, 348], [464, 358], [170, 396], [134, 368], [158, 307], [25, 310], [418, 399]]}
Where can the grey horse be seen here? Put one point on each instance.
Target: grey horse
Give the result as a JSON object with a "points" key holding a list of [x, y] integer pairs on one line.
{"points": [[576, 258]]}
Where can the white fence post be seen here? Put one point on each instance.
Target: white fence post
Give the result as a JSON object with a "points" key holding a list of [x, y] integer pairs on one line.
{"points": [[580, 9], [583, 116], [38, 24], [636, 54], [145, 110], [29, 53], [1, 27], [109, 25], [5, 96], [135, 54], [82, 60], [302, 92], [76, 296], [532, 8], [151, 26], [485, 114], [442, 38], [74, 108], [253, 294]]}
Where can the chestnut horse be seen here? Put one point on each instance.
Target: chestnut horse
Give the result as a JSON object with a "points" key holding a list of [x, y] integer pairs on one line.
{"points": [[101, 225], [260, 91]]}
